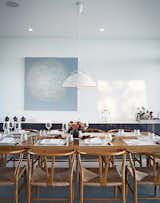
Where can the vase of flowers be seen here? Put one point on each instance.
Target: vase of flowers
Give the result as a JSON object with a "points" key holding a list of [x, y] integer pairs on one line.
{"points": [[75, 126]]}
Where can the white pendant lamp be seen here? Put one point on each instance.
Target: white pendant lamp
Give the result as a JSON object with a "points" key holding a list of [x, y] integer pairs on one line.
{"points": [[79, 79]]}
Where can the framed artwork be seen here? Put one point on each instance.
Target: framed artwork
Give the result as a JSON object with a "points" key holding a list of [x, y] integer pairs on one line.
{"points": [[43, 84]]}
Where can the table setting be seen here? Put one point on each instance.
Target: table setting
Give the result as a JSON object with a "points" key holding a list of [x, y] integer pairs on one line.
{"points": [[95, 139], [9, 140], [51, 142], [141, 139]]}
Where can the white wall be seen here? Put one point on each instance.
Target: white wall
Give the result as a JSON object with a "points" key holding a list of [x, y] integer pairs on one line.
{"points": [[127, 74]]}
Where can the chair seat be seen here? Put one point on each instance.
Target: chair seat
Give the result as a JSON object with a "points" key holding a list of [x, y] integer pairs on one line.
{"points": [[61, 177], [144, 175], [7, 175], [91, 177]]}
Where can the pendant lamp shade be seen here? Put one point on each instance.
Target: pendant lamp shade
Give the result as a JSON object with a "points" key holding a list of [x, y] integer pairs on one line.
{"points": [[79, 79]]}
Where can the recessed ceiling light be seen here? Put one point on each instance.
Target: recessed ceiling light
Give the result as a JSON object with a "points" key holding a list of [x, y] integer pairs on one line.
{"points": [[12, 4], [101, 29], [30, 29]]}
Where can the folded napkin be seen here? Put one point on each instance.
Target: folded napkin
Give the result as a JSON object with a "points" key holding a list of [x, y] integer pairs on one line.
{"points": [[123, 134], [157, 140], [139, 142], [1, 135], [8, 140], [51, 142], [54, 132], [94, 141], [20, 132]]}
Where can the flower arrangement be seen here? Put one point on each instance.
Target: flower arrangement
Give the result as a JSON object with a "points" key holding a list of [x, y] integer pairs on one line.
{"points": [[143, 114], [76, 125]]}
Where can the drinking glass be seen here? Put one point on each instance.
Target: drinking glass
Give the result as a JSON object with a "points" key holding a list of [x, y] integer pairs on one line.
{"points": [[5, 128], [63, 127], [120, 132], [16, 126], [135, 132], [48, 126], [110, 137], [138, 132], [66, 126], [11, 126], [152, 136]]}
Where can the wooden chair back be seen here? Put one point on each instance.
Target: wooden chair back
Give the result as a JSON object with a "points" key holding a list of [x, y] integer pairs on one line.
{"points": [[105, 162], [4, 152], [48, 159], [117, 130], [31, 130], [151, 160], [13, 151], [94, 130]]}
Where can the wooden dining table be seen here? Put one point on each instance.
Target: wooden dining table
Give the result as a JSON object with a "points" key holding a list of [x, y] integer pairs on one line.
{"points": [[117, 143]]}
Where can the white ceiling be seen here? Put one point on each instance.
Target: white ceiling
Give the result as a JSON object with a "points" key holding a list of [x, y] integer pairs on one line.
{"points": [[122, 19]]}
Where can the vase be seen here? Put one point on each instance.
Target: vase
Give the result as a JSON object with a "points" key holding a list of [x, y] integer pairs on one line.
{"points": [[75, 133]]}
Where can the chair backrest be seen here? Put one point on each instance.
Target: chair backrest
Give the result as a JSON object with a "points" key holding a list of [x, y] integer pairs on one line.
{"points": [[117, 130], [48, 159], [13, 151], [31, 130], [151, 160], [106, 157], [95, 130]]}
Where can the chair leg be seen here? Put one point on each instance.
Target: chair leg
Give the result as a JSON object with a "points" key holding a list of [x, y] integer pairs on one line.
{"points": [[126, 183], [155, 189], [123, 193], [140, 159], [26, 186], [135, 192], [71, 193], [115, 192], [28, 193], [16, 193], [81, 192]]}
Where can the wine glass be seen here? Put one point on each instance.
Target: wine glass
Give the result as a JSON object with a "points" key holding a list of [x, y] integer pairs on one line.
{"points": [[5, 128], [63, 127], [86, 124], [48, 126], [66, 126], [16, 126], [11, 126]]}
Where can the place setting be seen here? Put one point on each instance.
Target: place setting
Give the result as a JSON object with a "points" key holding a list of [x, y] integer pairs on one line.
{"points": [[9, 140], [150, 139], [51, 142], [95, 139]]}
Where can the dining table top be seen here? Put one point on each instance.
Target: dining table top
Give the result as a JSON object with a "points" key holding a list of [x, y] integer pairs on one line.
{"points": [[128, 142]]}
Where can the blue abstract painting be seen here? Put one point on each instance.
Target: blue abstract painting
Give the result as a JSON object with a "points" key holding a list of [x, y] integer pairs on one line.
{"points": [[43, 84]]}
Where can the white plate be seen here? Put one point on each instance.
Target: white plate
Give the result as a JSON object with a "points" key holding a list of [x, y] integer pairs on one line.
{"points": [[21, 132], [54, 132], [139, 142], [52, 142], [94, 141], [9, 140], [157, 139]]}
